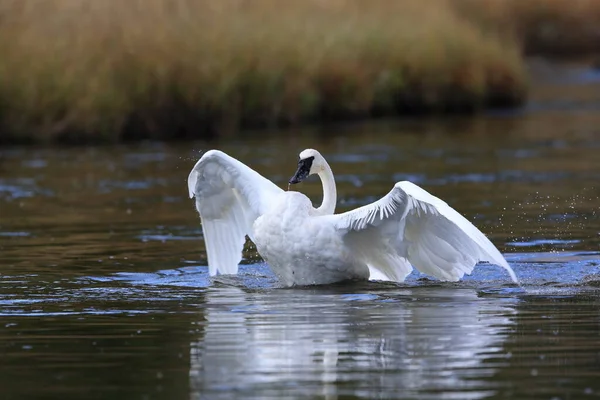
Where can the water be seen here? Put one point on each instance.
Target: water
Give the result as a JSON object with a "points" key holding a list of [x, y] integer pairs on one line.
{"points": [[104, 291]]}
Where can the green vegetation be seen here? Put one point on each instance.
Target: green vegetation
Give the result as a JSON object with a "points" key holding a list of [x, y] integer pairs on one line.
{"points": [[82, 70]]}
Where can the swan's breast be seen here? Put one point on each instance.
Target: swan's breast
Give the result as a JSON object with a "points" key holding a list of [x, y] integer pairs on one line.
{"points": [[292, 203], [282, 225]]}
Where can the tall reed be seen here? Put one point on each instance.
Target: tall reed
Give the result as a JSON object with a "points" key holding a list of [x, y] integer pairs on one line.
{"points": [[553, 28], [113, 69]]}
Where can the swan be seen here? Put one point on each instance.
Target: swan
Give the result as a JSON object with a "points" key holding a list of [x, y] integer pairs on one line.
{"points": [[303, 245]]}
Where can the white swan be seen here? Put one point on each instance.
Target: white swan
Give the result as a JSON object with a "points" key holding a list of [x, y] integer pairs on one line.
{"points": [[304, 245]]}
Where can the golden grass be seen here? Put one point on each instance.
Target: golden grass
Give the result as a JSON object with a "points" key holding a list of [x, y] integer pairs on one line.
{"points": [[542, 27], [113, 69]]}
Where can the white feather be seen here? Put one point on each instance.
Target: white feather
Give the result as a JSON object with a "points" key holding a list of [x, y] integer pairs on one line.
{"points": [[230, 196], [409, 225]]}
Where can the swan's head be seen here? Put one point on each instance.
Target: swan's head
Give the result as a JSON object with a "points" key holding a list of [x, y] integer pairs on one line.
{"points": [[311, 162]]}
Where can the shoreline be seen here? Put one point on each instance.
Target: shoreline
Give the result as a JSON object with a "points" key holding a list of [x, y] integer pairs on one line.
{"points": [[107, 72]]}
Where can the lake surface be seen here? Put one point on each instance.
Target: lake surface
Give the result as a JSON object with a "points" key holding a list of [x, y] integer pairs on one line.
{"points": [[105, 293]]}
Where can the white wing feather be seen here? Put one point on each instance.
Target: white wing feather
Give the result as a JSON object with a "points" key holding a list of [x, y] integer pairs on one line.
{"points": [[230, 196], [410, 226]]}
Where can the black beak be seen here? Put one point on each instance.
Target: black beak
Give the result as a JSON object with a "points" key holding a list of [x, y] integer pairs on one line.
{"points": [[303, 170]]}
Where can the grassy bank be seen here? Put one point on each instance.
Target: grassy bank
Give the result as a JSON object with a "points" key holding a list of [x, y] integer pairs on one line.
{"points": [[83, 70], [552, 28], [111, 69]]}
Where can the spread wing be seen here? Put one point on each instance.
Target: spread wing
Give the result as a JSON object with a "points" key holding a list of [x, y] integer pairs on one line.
{"points": [[410, 227], [230, 196]]}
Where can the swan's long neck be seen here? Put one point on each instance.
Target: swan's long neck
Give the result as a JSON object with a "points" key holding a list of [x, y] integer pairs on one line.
{"points": [[329, 191]]}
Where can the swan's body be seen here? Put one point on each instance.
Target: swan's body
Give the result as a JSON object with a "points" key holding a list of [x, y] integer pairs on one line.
{"points": [[312, 251], [304, 245]]}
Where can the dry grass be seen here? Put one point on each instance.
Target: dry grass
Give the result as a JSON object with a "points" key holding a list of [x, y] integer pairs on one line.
{"points": [[554, 28], [113, 69]]}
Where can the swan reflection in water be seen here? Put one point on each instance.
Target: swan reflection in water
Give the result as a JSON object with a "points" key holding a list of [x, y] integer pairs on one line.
{"points": [[322, 342]]}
